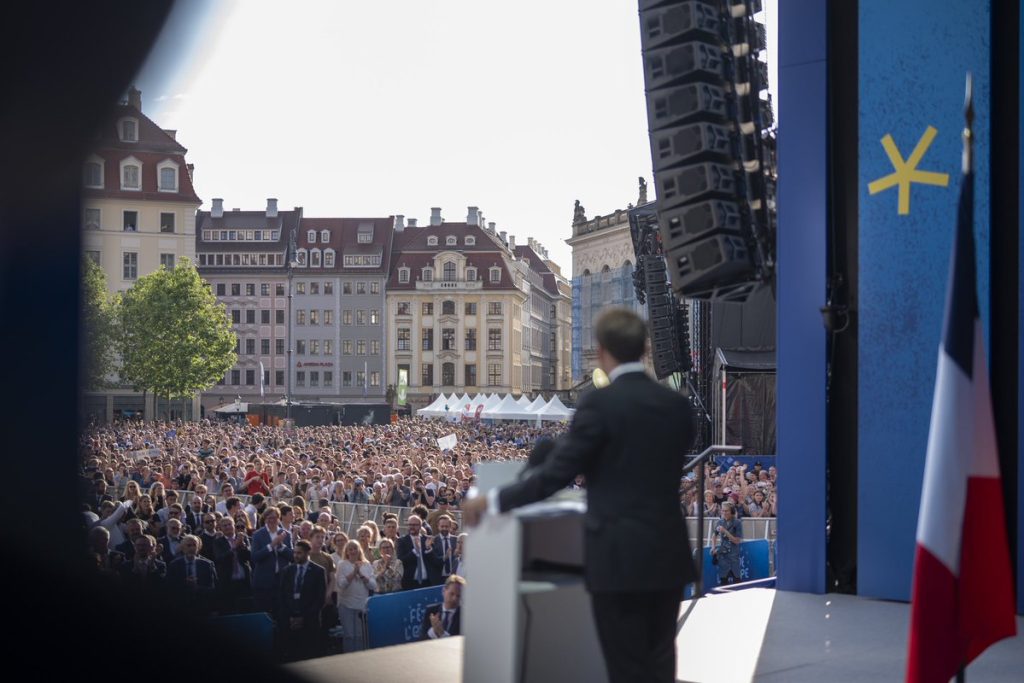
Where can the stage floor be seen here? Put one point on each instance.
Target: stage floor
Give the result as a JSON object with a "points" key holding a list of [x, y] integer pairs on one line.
{"points": [[757, 634]]}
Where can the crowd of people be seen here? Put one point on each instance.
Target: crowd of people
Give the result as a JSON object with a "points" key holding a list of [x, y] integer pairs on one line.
{"points": [[238, 518]]}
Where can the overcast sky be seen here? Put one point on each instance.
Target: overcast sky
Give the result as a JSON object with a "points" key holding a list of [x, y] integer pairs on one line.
{"points": [[354, 108]]}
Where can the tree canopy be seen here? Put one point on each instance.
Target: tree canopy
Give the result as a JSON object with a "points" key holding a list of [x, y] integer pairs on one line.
{"points": [[98, 327]]}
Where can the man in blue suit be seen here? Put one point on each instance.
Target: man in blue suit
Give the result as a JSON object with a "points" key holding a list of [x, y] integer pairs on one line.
{"points": [[194, 577], [302, 595], [271, 553]]}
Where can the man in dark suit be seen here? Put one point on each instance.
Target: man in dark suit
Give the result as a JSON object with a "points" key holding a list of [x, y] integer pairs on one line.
{"points": [[302, 596], [271, 553], [421, 567], [193, 577], [630, 441], [231, 555], [445, 618]]}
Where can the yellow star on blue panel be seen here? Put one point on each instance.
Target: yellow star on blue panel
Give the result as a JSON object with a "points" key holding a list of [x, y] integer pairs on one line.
{"points": [[906, 172]]}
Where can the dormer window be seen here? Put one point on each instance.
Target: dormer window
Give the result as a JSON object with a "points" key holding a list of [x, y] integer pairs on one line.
{"points": [[403, 275], [449, 272], [470, 241], [167, 176], [432, 241], [495, 274], [93, 173], [131, 174], [314, 258], [471, 274], [311, 236], [365, 234], [428, 274], [325, 236], [128, 130], [300, 257], [451, 240], [328, 258]]}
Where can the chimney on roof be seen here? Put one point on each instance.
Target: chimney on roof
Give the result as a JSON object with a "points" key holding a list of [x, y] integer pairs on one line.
{"points": [[412, 222], [172, 134], [271, 207], [502, 236], [472, 215], [217, 210], [191, 168], [490, 227], [435, 215], [135, 98], [512, 242], [399, 223]]}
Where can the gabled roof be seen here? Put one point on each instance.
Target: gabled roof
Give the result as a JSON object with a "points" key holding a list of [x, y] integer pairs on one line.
{"points": [[539, 266], [410, 250], [344, 239]]}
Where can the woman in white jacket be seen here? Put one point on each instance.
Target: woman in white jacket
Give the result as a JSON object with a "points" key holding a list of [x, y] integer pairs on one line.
{"points": [[355, 581]]}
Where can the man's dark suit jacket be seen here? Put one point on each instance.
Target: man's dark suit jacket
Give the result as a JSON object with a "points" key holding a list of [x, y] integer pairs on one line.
{"points": [[206, 574], [453, 630], [630, 440], [405, 554], [223, 555], [311, 598], [264, 560]]}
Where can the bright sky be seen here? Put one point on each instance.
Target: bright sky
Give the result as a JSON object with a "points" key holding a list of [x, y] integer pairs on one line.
{"points": [[354, 108]]}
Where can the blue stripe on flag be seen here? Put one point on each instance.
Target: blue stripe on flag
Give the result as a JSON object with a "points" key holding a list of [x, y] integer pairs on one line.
{"points": [[962, 298]]}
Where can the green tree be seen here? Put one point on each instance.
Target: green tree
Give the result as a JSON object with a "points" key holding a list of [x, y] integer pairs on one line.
{"points": [[176, 339], [98, 326]]}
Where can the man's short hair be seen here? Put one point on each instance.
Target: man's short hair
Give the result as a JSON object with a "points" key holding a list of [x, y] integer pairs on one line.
{"points": [[622, 333], [303, 543], [283, 509], [232, 502], [454, 578]]}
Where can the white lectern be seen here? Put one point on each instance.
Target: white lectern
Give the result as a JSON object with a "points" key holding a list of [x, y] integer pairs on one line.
{"points": [[526, 614]]}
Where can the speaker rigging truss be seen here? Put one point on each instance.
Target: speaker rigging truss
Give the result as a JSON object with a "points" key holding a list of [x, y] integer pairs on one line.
{"points": [[712, 149]]}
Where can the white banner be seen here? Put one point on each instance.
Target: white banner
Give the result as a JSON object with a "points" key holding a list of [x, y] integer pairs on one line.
{"points": [[447, 443]]}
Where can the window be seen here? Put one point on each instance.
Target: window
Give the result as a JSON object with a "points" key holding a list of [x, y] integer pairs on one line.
{"points": [[265, 349], [130, 270], [360, 317], [449, 272], [325, 236], [448, 374], [471, 308], [266, 378], [264, 316], [374, 378], [300, 347], [365, 236], [221, 289], [250, 377], [428, 308], [129, 130], [360, 378], [250, 316], [91, 220], [471, 340], [346, 347], [168, 179], [279, 289], [403, 308], [403, 275], [328, 347], [314, 258], [495, 274], [374, 317], [250, 349], [94, 256], [300, 287], [314, 378], [279, 316], [130, 177], [346, 317], [494, 374], [404, 339], [311, 236], [94, 174], [328, 317], [427, 378], [130, 221], [427, 337], [314, 288], [374, 288], [300, 257], [300, 378], [374, 347], [447, 308], [494, 339], [346, 287], [328, 378], [470, 375], [494, 308], [279, 377], [236, 289], [167, 261], [279, 347], [470, 241], [448, 339], [236, 316], [432, 241], [300, 317], [470, 274], [264, 289], [451, 240], [361, 347], [314, 317], [346, 378], [328, 258], [428, 275], [328, 287], [236, 377], [360, 288], [250, 289], [314, 347]]}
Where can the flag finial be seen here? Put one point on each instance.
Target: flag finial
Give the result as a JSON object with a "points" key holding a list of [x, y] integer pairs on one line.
{"points": [[968, 157]]}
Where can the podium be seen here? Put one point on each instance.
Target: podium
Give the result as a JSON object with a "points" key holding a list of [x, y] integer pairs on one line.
{"points": [[526, 613]]}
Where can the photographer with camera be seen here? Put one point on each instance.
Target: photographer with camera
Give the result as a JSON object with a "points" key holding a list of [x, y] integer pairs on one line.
{"points": [[725, 545]]}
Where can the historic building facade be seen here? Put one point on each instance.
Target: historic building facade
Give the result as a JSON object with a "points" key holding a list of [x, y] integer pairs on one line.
{"points": [[546, 320], [138, 214]]}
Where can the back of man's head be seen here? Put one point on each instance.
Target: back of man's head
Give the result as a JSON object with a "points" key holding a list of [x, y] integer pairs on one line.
{"points": [[622, 333]]}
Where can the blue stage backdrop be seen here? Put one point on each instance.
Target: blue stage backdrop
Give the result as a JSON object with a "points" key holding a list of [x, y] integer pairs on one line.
{"points": [[913, 59], [395, 618]]}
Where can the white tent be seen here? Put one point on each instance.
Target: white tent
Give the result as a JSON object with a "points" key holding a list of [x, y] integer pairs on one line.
{"points": [[537, 404], [235, 408], [478, 400], [464, 400], [508, 409], [523, 401], [453, 401], [554, 411], [435, 409], [492, 402]]}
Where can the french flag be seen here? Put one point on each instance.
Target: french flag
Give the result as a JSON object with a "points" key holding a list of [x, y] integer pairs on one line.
{"points": [[962, 599]]}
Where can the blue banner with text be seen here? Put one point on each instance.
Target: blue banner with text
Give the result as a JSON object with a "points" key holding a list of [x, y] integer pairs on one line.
{"points": [[395, 618]]}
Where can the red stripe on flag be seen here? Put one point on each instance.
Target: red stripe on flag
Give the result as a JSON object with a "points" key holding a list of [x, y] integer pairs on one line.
{"points": [[933, 654], [986, 582]]}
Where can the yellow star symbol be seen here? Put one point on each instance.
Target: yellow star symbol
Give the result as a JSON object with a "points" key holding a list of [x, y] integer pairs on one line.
{"points": [[906, 172]]}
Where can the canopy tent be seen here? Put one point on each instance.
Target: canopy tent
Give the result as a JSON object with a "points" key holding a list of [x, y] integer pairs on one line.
{"points": [[493, 401], [537, 404], [236, 408], [453, 401], [523, 401], [478, 400], [435, 409], [508, 409], [554, 411]]}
